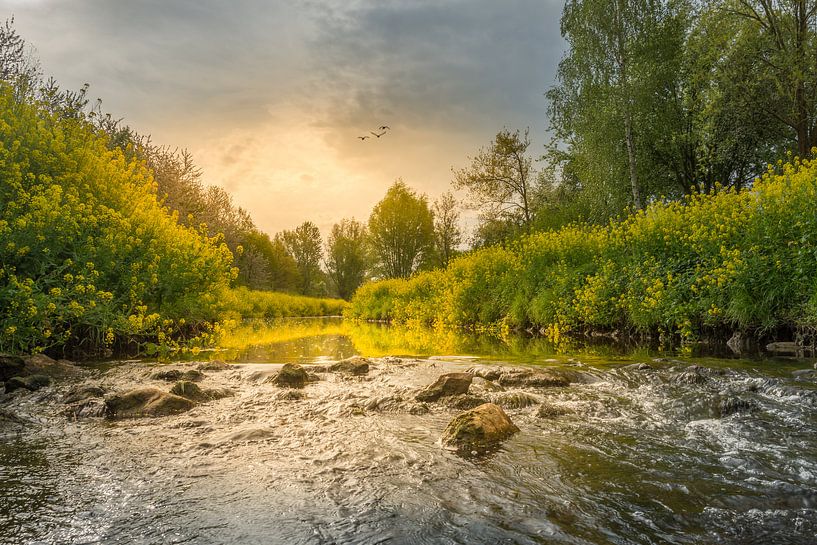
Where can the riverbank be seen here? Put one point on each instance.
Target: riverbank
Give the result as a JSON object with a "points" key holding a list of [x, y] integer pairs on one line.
{"points": [[710, 266]]}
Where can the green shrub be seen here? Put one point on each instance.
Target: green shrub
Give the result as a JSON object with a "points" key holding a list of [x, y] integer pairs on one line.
{"points": [[719, 261]]}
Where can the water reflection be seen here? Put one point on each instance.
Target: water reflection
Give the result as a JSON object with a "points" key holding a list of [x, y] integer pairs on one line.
{"points": [[313, 339]]}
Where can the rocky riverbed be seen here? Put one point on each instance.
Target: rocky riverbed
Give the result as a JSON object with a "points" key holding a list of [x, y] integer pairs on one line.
{"points": [[401, 450]]}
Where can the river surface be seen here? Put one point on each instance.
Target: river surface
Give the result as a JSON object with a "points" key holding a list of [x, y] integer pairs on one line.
{"points": [[625, 455]]}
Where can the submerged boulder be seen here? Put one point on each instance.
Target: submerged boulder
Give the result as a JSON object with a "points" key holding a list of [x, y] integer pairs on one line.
{"points": [[146, 402], [31, 383], [192, 391], [478, 429], [173, 375], [730, 405], [515, 400], [291, 375], [532, 379], [447, 385], [464, 402], [10, 366], [352, 366], [215, 365]]}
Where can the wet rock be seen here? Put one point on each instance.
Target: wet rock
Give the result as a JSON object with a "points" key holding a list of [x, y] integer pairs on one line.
{"points": [[40, 364], [146, 402], [291, 375], [690, 375], [291, 395], [31, 383], [737, 343], [670, 360], [733, 405], [784, 347], [312, 377], [805, 374], [87, 408], [10, 366], [515, 400], [637, 367], [447, 385], [351, 366], [391, 360], [487, 373], [464, 402], [478, 429], [215, 365], [174, 375], [385, 403], [532, 379], [547, 410], [192, 391], [486, 385], [82, 393], [419, 409]]}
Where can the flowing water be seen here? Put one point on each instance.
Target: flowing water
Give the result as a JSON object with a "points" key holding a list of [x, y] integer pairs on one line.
{"points": [[627, 454]]}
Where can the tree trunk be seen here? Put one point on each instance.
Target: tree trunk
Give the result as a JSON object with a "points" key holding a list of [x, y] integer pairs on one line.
{"points": [[628, 131]]}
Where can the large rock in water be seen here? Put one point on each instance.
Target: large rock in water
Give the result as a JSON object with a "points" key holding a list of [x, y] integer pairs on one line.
{"points": [[146, 402], [479, 429], [31, 383], [352, 366], [291, 375], [10, 366], [450, 384], [191, 391]]}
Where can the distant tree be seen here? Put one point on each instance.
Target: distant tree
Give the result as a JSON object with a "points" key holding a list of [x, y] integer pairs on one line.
{"points": [[304, 244], [447, 232], [500, 180], [347, 256], [401, 232], [265, 264], [17, 65]]}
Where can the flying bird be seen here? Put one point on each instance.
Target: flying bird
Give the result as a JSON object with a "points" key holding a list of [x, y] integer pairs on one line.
{"points": [[384, 128], [364, 137], [378, 134]]}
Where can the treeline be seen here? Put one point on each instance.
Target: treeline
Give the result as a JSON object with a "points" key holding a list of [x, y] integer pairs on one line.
{"points": [[106, 240], [711, 264], [647, 211], [403, 235], [654, 100]]}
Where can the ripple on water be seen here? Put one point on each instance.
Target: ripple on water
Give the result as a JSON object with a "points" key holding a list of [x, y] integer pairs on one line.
{"points": [[637, 457]]}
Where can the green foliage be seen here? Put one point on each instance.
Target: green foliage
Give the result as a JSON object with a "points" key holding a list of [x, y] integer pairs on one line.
{"points": [[347, 256], [730, 259], [265, 264], [500, 181], [305, 246], [242, 303], [401, 232], [88, 254]]}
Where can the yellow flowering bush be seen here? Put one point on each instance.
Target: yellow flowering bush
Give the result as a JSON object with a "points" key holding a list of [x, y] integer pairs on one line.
{"points": [[88, 256], [719, 261]]}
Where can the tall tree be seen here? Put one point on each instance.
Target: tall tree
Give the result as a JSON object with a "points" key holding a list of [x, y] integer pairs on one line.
{"points": [[500, 180], [616, 105], [265, 264], [782, 37], [447, 232], [347, 259], [401, 231], [304, 244]]}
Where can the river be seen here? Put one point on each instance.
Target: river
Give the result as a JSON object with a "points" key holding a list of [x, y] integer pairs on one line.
{"points": [[631, 454]]}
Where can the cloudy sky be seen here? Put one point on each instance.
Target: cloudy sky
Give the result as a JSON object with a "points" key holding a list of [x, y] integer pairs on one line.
{"points": [[271, 95]]}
